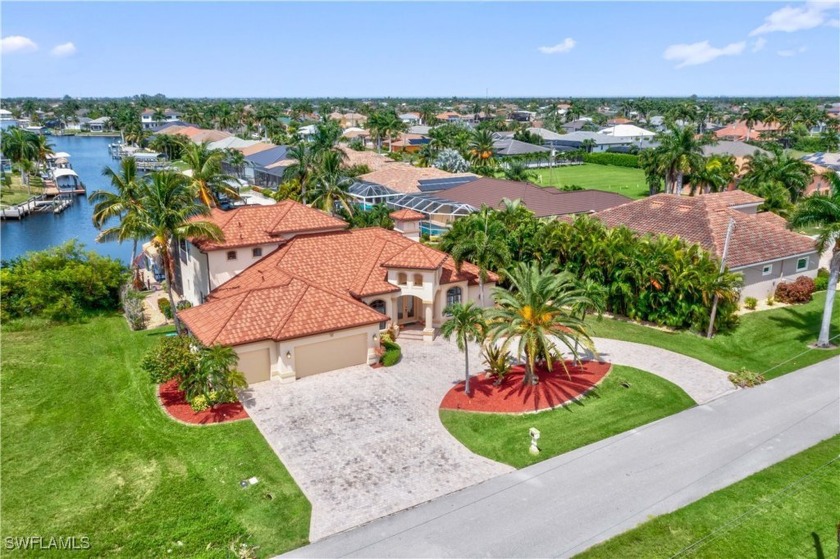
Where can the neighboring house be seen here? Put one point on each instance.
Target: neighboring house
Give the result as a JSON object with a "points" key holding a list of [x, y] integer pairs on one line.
{"points": [[738, 131], [148, 121], [449, 116], [407, 222], [761, 247], [577, 125], [739, 150], [411, 118], [320, 301], [824, 159], [7, 120], [508, 146], [406, 178], [639, 136], [99, 124], [78, 123], [523, 116], [349, 120], [549, 138], [602, 142], [409, 143], [618, 120]]}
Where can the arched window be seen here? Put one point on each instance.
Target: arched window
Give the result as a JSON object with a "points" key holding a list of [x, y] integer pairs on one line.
{"points": [[379, 306], [453, 295], [418, 280], [402, 279]]}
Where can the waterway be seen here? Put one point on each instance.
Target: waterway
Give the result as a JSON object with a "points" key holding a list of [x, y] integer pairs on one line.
{"points": [[88, 156]]}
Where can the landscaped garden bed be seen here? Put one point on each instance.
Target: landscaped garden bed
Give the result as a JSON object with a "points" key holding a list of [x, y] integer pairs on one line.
{"points": [[555, 389], [175, 403]]}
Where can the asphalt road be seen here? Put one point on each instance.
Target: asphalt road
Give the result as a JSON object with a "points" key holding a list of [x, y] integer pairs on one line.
{"points": [[566, 504]]}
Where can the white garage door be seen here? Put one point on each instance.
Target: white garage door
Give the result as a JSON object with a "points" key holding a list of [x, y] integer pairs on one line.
{"points": [[255, 365], [330, 355]]}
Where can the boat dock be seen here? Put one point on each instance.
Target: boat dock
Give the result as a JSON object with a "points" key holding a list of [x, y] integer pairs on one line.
{"points": [[42, 204], [61, 185]]}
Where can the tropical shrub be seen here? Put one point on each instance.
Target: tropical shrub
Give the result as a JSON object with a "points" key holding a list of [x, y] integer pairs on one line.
{"points": [[498, 362], [356, 170], [184, 304], [452, 161], [172, 357], [61, 284], [751, 303], [199, 403], [165, 307], [356, 144], [821, 281], [214, 372], [609, 158], [798, 291], [746, 379], [134, 309], [392, 355]]}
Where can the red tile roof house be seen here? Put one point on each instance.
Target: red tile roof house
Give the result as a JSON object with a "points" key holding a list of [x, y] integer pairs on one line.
{"points": [[317, 297], [761, 248]]}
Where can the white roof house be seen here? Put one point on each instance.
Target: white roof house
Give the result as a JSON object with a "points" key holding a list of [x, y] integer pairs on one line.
{"points": [[627, 131]]}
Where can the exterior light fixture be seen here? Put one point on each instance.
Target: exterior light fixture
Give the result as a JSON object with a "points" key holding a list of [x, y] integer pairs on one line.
{"points": [[375, 337], [288, 355]]}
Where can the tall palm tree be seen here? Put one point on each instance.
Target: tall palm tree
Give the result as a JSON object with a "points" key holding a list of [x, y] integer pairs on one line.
{"points": [[517, 171], [485, 246], [169, 212], [778, 171], [303, 168], [124, 204], [236, 160], [466, 323], [823, 211], [752, 116], [481, 147], [717, 172], [331, 183], [204, 169], [679, 153], [588, 145], [43, 148], [537, 310], [19, 146]]}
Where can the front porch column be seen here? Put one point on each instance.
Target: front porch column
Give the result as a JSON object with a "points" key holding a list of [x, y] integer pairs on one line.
{"points": [[429, 330]]}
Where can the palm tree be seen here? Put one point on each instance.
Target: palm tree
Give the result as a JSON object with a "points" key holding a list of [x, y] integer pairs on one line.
{"points": [[43, 148], [331, 183], [823, 211], [168, 213], [679, 153], [19, 146], [466, 323], [752, 116], [777, 172], [123, 204], [588, 145], [303, 168], [537, 310], [717, 172], [481, 147], [204, 169], [517, 171], [236, 160], [485, 246]]}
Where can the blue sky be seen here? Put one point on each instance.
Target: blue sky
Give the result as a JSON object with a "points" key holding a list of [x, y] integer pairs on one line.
{"points": [[195, 49]]}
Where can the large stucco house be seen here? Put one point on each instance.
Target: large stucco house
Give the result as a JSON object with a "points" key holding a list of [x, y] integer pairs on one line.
{"points": [[761, 247], [295, 293]]}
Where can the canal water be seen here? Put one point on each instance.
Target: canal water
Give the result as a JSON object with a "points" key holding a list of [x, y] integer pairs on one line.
{"points": [[88, 156]]}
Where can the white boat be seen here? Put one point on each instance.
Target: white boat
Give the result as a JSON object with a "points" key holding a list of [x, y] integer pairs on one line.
{"points": [[67, 181]]}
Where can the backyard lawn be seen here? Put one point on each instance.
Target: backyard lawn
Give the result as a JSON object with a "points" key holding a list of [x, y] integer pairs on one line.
{"points": [[87, 451], [773, 342], [787, 510], [608, 410], [17, 193], [622, 180]]}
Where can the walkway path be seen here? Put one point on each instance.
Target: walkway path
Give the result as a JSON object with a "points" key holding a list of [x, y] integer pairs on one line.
{"points": [[566, 504], [700, 380]]}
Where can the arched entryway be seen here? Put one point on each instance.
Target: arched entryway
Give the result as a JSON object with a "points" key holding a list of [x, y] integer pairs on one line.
{"points": [[409, 309]]}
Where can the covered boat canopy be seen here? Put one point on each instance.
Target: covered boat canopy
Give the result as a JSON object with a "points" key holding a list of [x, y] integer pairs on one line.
{"points": [[58, 173], [59, 155]]}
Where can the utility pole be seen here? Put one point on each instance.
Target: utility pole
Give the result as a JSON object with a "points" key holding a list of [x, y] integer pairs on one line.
{"points": [[729, 230]]}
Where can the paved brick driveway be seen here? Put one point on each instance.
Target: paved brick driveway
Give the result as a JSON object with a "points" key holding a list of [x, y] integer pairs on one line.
{"points": [[363, 443]]}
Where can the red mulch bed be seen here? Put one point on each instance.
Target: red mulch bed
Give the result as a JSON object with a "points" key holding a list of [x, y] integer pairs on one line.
{"points": [[554, 390], [176, 405]]}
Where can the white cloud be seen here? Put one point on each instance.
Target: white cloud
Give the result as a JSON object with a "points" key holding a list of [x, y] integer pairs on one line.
{"points": [[700, 53], [759, 44], [65, 49], [560, 48], [796, 18], [792, 52], [17, 43]]}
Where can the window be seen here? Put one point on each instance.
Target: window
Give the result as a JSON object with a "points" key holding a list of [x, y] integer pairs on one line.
{"points": [[767, 270], [231, 255], [453, 296], [802, 264], [256, 253], [418, 280], [379, 306], [402, 279]]}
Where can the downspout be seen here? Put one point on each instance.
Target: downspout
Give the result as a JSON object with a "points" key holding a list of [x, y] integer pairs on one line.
{"points": [[207, 259]]}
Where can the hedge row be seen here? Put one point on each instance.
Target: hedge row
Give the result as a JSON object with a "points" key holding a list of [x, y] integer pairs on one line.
{"points": [[617, 159]]}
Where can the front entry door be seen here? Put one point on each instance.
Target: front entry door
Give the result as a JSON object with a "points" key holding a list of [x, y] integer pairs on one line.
{"points": [[406, 310]]}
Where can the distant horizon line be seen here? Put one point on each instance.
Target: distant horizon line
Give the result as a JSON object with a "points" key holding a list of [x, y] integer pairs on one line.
{"points": [[415, 97]]}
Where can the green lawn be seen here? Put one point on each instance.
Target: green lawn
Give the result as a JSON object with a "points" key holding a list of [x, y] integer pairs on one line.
{"points": [[17, 193], [773, 341], [607, 410], [86, 450], [787, 510], [623, 180]]}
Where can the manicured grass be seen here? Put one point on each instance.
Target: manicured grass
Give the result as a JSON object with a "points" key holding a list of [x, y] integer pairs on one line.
{"points": [[17, 193], [86, 450], [607, 410], [622, 180], [773, 342], [785, 514]]}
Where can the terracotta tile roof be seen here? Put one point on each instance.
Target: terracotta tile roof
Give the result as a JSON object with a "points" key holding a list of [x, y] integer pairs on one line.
{"points": [[417, 257], [258, 225], [704, 219], [256, 148], [312, 284], [291, 308], [373, 160], [210, 136], [407, 215], [738, 130], [404, 177]]}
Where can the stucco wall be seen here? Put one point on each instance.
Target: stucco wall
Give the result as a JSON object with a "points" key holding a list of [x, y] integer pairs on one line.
{"points": [[761, 286], [198, 280], [285, 365]]}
